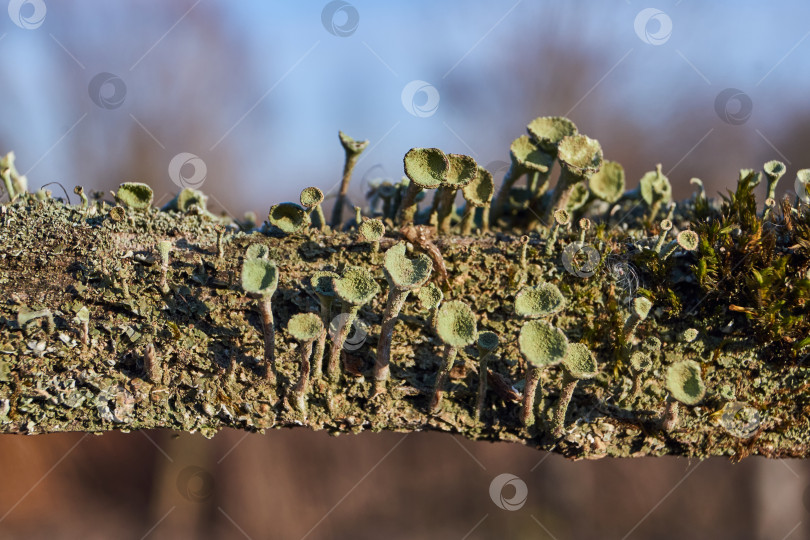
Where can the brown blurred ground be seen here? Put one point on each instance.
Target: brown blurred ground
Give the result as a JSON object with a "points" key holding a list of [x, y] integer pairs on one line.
{"points": [[295, 484]]}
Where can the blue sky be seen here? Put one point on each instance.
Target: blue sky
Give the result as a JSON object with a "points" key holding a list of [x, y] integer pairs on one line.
{"points": [[300, 83]]}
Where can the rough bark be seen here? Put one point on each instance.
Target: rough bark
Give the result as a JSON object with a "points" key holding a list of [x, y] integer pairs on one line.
{"points": [[207, 334]]}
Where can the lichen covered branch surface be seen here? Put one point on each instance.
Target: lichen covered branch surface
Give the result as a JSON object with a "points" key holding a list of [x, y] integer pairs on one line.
{"points": [[103, 327]]}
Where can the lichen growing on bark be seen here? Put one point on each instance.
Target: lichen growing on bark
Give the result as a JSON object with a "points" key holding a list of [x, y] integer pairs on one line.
{"points": [[739, 288]]}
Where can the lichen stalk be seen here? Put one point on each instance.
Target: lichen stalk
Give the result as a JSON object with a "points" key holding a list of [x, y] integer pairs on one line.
{"points": [[568, 385], [482, 384], [408, 206], [670, 419], [301, 388], [348, 167], [441, 378], [512, 175], [529, 390], [151, 364], [333, 366], [320, 343], [266, 310], [396, 299], [468, 220]]}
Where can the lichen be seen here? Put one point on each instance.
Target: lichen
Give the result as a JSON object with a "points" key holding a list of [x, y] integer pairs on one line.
{"points": [[731, 298]]}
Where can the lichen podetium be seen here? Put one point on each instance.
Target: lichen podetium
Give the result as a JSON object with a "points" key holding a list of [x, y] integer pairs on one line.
{"points": [[94, 297]]}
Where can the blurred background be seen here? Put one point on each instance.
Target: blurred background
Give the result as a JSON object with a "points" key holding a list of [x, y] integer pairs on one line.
{"points": [[246, 99]]}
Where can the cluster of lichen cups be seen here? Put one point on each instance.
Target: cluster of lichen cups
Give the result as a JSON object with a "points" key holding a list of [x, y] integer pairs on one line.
{"points": [[584, 177]]}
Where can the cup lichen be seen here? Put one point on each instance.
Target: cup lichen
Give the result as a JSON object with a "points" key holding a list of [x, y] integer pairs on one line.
{"points": [[425, 169], [352, 150], [304, 328], [260, 279], [134, 195], [542, 300], [541, 345], [456, 327], [685, 385], [311, 199], [579, 363], [403, 275], [355, 287], [289, 217], [477, 194]]}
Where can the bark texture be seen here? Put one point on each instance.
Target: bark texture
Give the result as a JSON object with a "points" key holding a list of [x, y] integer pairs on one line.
{"points": [[207, 335]]}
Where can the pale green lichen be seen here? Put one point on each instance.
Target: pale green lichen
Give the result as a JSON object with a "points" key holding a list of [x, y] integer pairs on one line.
{"points": [[403, 275], [425, 168], [134, 195], [685, 385], [260, 278], [456, 327], [655, 190], [289, 217], [186, 199], [548, 131], [477, 194], [355, 287], [543, 300], [579, 363], [608, 182], [352, 148], [311, 199], [541, 345], [304, 328]]}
